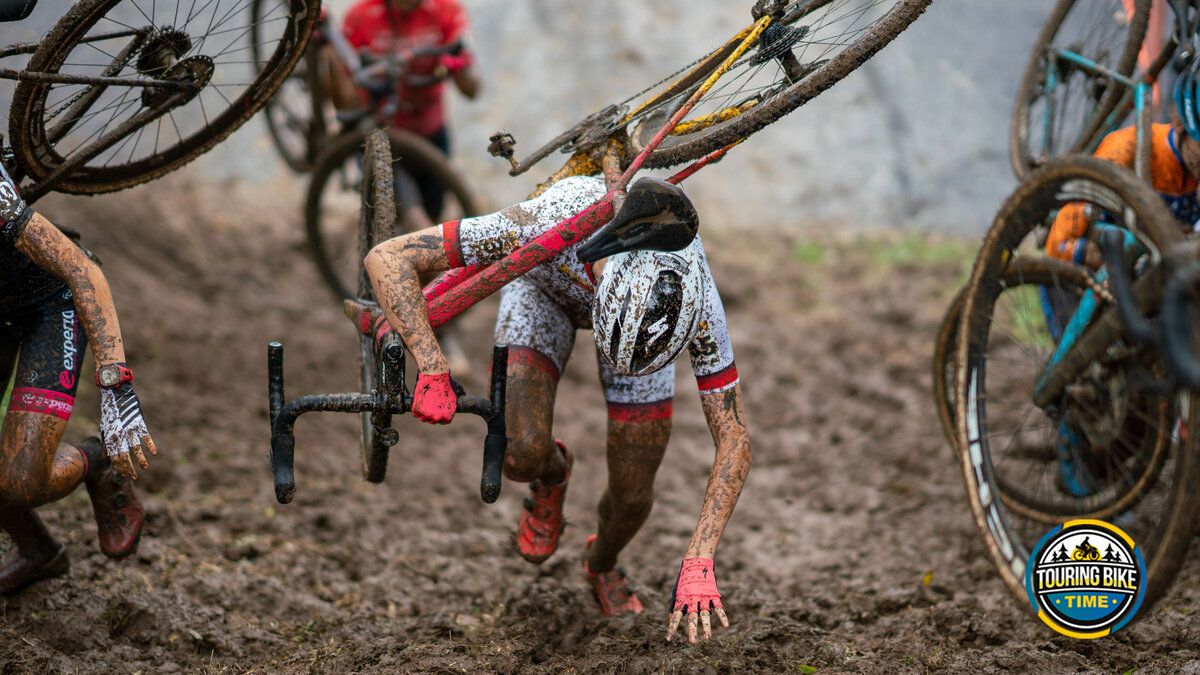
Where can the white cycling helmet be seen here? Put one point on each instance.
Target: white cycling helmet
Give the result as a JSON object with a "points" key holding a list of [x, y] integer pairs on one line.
{"points": [[647, 307]]}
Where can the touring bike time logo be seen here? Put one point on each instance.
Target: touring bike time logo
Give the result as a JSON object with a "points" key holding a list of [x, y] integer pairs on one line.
{"points": [[1086, 578]]}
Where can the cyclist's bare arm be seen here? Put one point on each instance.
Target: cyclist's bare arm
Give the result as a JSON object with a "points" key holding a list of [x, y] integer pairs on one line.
{"points": [[467, 82], [336, 80], [727, 423], [394, 268], [126, 438], [51, 250]]}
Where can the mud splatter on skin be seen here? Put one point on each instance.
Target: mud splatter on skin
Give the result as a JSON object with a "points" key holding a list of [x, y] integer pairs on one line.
{"points": [[394, 268], [723, 410], [34, 468], [635, 450], [50, 249], [541, 312]]}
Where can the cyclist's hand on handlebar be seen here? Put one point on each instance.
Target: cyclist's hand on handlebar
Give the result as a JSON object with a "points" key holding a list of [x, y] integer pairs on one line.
{"points": [[124, 430], [452, 63], [436, 398], [696, 596]]}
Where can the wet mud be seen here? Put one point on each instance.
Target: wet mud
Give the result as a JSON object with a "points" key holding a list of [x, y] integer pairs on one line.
{"points": [[851, 550]]}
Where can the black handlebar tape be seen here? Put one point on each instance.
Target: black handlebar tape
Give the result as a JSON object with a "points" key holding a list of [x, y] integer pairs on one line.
{"points": [[494, 448], [282, 453], [275, 397], [283, 447], [1137, 328], [1177, 327], [495, 445]]}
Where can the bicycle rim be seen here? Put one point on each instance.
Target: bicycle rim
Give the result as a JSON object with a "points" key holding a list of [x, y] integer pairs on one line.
{"points": [[205, 41], [1032, 273], [377, 222], [828, 40], [1110, 421], [295, 113], [335, 194], [1061, 108]]}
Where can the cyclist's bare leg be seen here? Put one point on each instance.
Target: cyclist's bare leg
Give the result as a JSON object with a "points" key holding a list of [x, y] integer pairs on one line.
{"points": [[31, 476], [635, 451], [529, 416]]}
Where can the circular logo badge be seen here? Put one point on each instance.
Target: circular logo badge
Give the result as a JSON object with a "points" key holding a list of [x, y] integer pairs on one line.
{"points": [[1086, 578]]}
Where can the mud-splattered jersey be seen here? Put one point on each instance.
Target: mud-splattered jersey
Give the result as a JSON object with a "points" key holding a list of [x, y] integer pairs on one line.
{"points": [[570, 283], [22, 282], [1168, 177]]}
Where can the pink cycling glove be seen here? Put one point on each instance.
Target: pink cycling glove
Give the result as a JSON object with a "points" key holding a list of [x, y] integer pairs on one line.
{"points": [[455, 62], [434, 400], [696, 588]]}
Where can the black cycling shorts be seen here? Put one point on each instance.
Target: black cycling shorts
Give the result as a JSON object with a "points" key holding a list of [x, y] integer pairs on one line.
{"points": [[46, 343]]}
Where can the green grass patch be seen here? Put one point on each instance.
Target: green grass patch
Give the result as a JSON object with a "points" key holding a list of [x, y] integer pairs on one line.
{"points": [[7, 393], [918, 250], [809, 252]]}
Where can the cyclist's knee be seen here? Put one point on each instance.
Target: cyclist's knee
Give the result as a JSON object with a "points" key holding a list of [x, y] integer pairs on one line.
{"points": [[527, 454]]}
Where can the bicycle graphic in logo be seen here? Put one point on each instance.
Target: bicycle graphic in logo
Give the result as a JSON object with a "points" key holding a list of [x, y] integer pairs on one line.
{"points": [[1085, 578]]}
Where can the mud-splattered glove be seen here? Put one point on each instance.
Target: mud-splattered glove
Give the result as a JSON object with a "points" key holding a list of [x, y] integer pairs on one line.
{"points": [[436, 398], [696, 595], [123, 429]]}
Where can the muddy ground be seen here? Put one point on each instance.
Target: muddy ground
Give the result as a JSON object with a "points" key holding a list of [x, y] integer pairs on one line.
{"points": [[852, 549]]}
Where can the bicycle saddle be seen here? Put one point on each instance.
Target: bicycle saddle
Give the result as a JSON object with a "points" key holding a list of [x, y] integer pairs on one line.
{"points": [[15, 10], [655, 216]]}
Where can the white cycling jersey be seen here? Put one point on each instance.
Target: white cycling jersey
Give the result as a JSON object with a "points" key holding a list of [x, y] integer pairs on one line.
{"points": [[543, 309]]}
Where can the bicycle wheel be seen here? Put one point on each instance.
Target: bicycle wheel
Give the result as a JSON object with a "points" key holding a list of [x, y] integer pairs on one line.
{"points": [[376, 223], [1022, 276], [334, 194], [295, 114], [130, 41], [1109, 448], [816, 44], [1062, 108]]}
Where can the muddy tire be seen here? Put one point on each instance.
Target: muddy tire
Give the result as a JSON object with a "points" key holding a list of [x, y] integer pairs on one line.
{"points": [[843, 37], [295, 114], [377, 223], [1145, 478], [335, 193], [49, 122], [1042, 272]]}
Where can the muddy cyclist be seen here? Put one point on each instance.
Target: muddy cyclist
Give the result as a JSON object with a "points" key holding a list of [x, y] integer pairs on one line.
{"points": [[54, 302], [645, 307]]}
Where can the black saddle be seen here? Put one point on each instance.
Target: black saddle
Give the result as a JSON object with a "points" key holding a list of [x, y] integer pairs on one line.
{"points": [[15, 10], [656, 216]]}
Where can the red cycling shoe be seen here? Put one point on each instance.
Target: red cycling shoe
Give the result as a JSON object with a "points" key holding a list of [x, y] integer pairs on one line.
{"points": [[613, 589], [119, 512], [542, 520]]}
